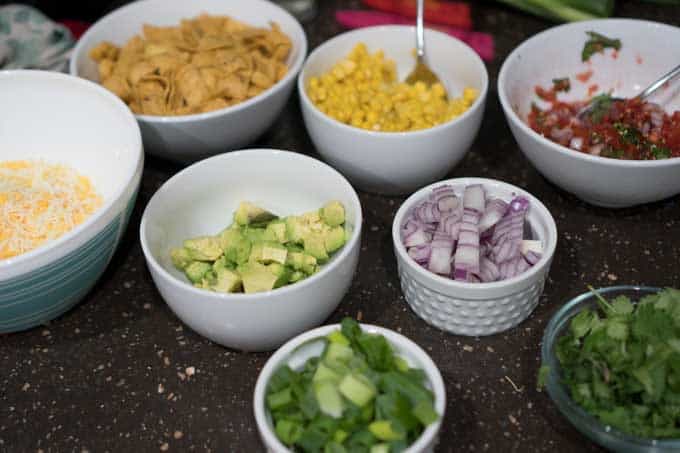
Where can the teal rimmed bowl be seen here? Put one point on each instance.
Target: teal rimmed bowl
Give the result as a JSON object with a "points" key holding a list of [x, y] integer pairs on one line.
{"points": [[66, 120], [590, 426]]}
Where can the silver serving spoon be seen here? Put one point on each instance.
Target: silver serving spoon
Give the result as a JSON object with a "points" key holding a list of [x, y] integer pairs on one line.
{"points": [[421, 73], [651, 89]]}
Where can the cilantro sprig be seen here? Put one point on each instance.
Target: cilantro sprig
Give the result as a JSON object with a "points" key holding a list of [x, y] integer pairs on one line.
{"points": [[621, 363], [597, 43]]}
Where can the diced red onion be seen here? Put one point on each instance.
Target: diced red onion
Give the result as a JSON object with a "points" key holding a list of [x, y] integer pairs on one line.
{"points": [[477, 240]]}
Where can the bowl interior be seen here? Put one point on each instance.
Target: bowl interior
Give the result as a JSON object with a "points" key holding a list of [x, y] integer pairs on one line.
{"points": [[201, 199], [456, 65], [587, 424], [126, 22], [310, 344], [540, 224], [100, 138], [556, 53]]}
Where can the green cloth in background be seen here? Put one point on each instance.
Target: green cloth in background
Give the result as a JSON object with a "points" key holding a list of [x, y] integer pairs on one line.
{"points": [[30, 40]]}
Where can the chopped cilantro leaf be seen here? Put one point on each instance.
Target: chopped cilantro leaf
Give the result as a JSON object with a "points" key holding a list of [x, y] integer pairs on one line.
{"points": [[597, 43]]}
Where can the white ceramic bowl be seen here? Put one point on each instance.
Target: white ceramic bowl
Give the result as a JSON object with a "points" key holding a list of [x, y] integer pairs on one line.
{"points": [[66, 120], [201, 199], [397, 162], [296, 352], [644, 56], [475, 308], [191, 137]]}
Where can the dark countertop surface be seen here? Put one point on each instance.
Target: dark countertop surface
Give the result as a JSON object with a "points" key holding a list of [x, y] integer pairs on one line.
{"points": [[111, 374]]}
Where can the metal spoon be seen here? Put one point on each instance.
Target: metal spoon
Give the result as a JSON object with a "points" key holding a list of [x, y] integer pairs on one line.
{"points": [[421, 73], [651, 89]]}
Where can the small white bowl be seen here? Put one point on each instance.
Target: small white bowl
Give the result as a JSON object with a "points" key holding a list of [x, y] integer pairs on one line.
{"points": [[475, 308], [397, 162], [644, 56], [188, 138], [66, 120], [296, 352], [201, 199]]}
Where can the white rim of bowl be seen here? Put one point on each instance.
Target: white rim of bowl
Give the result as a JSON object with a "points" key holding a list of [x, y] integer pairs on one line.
{"points": [[432, 371], [514, 117], [535, 204], [475, 105], [123, 186], [253, 297], [293, 70]]}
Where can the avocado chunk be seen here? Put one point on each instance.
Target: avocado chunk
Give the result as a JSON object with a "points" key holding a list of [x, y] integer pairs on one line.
{"points": [[247, 213], [314, 245], [281, 272], [301, 262], [334, 239], [273, 252], [296, 229], [227, 281], [203, 248], [333, 213], [181, 257], [256, 277], [276, 231], [229, 237], [197, 270], [238, 251], [296, 276], [311, 217]]}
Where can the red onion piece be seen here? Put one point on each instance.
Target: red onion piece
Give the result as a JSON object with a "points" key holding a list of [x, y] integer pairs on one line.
{"points": [[420, 253], [418, 237], [494, 211], [474, 198]]}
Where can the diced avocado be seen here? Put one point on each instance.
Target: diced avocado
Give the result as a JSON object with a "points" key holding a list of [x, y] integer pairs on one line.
{"points": [[248, 213], [239, 251], [209, 279], [221, 263], [181, 257], [380, 448], [357, 388], [281, 272], [229, 237], [228, 281], [329, 399], [256, 253], [333, 213], [296, 229], [296, 276], [253, 234], [334, 239], [256, 277], [314, 245], [324, 373], [385, 430], [294, 247], [273, 252], [311, 217], [301, 262], [276, 231], [203, 248], [196, 270], [338, 352]]}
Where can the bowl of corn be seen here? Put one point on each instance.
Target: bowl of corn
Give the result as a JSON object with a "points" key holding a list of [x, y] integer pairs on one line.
{"points": [[384, 135]]}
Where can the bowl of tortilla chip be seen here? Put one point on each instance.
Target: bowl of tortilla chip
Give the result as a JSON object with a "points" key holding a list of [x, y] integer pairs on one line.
{"points": [[202, 77]]}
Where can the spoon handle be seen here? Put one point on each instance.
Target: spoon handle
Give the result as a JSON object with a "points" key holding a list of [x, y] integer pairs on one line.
{"points": [[670, 75], [420, 30]]}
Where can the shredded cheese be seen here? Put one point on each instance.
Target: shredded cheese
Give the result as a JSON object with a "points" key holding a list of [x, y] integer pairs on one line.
{"points": [[39, 202]]}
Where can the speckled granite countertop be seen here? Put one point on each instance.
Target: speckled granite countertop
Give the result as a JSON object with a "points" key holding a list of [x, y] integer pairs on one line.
{"points": [[121, 373]]}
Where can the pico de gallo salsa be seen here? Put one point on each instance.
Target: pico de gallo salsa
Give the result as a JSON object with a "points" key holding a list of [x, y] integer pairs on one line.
{"points": [[629, 129]]}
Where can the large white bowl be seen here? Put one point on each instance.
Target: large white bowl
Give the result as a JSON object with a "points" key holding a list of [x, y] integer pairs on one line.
{"points": [[296, 352], [475, 309], [191, 137], [397, 162], [66, 120], [644, 56], [201, 199]]}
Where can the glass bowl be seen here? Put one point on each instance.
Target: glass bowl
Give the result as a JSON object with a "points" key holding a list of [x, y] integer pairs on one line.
{"points": [[587, 424]]}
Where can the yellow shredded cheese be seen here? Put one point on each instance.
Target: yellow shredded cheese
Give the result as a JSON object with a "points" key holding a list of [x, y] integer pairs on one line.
{"points": [[39, 202]]}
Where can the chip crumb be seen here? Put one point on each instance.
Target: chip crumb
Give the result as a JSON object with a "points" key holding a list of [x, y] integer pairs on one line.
{"points": [[166, 361], [490, 349], [181, 376], [170, 396], [45, 333], [612, 277], [178, 434], [190, 371], [513, 420], [26, 386], [165, 446], [161, 389], [468, 348]]}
